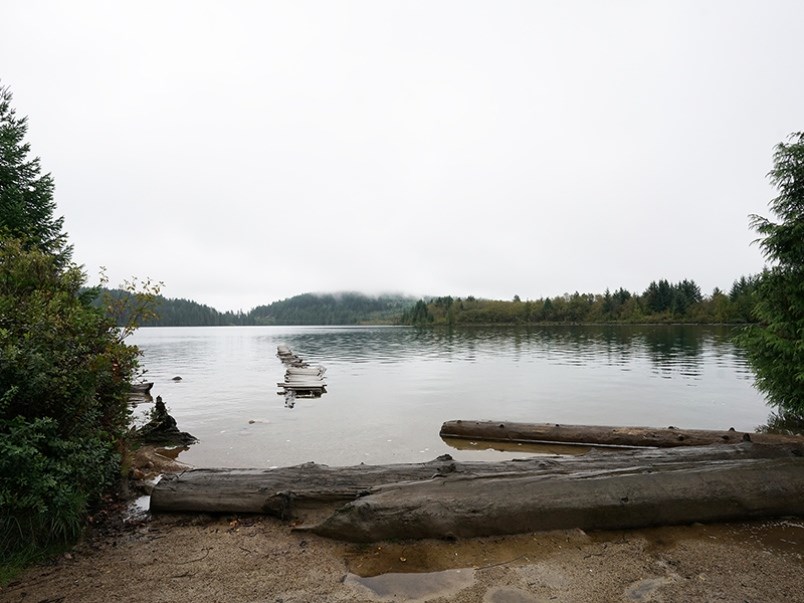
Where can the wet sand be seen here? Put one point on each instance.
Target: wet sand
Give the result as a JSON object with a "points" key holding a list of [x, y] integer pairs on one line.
{"points": [[249, 559]]}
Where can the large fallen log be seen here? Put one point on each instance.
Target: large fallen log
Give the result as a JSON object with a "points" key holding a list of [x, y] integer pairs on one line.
{"points": [[625, 497], [279, 491], [284, 491], [605, 436]]}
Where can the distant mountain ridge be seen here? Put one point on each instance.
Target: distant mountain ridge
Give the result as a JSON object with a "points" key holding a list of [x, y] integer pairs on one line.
{"points": [[661, 302], [345, 308]]}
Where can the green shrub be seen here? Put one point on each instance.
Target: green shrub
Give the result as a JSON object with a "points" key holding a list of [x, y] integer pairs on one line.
{"points": [[64, 369], [64, 380]]}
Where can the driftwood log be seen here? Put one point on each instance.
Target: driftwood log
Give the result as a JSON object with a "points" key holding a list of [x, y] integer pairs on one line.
{"points": [[280, 491], [627, 497], [446, 498], [597, 435]]}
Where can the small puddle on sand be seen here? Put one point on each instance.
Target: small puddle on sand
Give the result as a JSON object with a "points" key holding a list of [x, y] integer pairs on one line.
{"points": [[523, 447], [784, 536], [428, 556], [137, 509], [415, 587], [418, 571], [644, 590]]}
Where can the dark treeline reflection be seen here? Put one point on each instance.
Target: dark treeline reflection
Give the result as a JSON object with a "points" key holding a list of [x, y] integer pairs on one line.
{"points": [[670, 349]]}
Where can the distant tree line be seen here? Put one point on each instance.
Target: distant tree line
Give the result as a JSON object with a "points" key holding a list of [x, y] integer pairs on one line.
{"points": [[168, 312], [306, 309], [661, 302], [332, 309]]}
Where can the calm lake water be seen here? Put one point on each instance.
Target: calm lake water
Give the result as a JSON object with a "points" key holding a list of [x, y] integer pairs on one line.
{"points": [[391, 388]]}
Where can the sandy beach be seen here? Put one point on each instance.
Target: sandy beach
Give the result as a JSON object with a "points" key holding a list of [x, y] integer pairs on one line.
{"points": [[205, 559]]}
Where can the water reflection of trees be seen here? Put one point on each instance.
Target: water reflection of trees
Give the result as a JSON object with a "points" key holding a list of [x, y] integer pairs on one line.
{"points": [[783, 421], [670, 349], [674, 349]]}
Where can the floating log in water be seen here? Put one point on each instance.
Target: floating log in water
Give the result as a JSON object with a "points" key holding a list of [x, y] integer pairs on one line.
{"points": [[140, 393], [141, 388], [604, 436], [310, 370], [301, 379], [288, 358], [305, 387], [289, 374]]}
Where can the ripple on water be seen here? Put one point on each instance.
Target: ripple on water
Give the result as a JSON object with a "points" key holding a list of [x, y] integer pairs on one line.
{"points": [[402, 383]]}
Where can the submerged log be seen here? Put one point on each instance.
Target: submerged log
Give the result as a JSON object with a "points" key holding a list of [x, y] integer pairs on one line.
{"points": [[605, 436], [284, 491], [628, 497]]}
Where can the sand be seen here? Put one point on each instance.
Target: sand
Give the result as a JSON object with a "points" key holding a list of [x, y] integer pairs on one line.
{"points": [[200, 558]]}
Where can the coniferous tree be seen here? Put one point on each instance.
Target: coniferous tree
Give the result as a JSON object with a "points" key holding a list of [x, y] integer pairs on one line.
{"points": [[26, 195], [65, 372], [776, 345]]}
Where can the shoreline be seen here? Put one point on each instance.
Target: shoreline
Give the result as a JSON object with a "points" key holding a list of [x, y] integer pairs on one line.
{"points": [[254, 558], [247, 558]]}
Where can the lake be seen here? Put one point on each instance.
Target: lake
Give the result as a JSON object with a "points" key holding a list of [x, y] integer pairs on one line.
{"points": [[390, 388]]}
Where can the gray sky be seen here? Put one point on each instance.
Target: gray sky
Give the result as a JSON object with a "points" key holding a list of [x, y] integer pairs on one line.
{"points": [[244, 152]]}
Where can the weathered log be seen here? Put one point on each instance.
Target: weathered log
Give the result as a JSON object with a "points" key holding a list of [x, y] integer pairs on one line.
{"points": [[282, 491], [627, 497], [312, 370], [279, 491], [604, 436]]}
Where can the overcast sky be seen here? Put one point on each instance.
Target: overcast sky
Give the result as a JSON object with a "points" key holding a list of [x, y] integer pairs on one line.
{"points": [[244, 152]]}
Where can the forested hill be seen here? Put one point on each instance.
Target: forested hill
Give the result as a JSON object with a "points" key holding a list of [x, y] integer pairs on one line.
{"points": [[306, 309], [332, 309], [661, 302], [170, 312]]}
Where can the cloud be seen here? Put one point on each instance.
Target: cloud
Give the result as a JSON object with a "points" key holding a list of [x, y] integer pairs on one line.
{"points": [[247, 152]]}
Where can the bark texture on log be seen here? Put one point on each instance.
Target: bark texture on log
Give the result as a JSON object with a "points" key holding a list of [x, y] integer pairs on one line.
{"points": [[278, 491], [627, 497], [604, 436], [281, 492]]}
